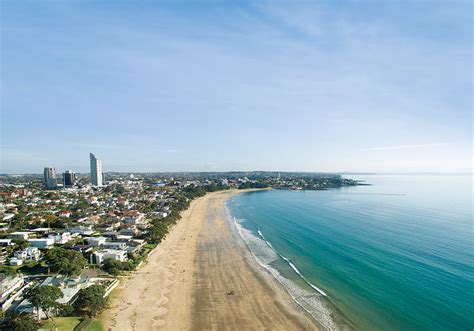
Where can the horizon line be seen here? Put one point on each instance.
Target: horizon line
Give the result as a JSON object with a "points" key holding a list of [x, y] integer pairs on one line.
{"points": [[276, 171]]}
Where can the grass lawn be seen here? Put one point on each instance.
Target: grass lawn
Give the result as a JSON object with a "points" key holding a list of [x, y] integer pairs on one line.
{"points": [[95, 326], [63, 323], [149, 246]]}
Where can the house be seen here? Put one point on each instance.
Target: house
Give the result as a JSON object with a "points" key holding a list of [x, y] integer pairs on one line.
{"points": [[128, 232], [110, 234], [82, 220], [139, 218], [70, 288], [6, 242], [41, 230], [95, 241], [19, 235], [8, 217], [134, 246], [33, 253], [123, 237], [109, 226], [16, 262], [21, 255], [41, 242], [82, 230], [115, 245], [78, 248], [61, 238], [99, 257], [29, 253]]}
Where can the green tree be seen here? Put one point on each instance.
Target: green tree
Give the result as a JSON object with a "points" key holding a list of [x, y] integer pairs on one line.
{"points": [[65, 261], [111, 266], [21, 243], [44, 297], [157, 231], [20, 322], [114, 267], [91, 300]]}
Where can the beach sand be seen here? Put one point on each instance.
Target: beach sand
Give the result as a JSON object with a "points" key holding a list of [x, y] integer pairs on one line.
{"points": [[186, 282]]}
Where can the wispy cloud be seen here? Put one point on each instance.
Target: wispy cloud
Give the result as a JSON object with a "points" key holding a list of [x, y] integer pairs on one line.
{"points": [[398, 147]]}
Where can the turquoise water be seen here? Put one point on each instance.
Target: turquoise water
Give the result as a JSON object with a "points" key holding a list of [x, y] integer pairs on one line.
{"points": [[397, 255]]}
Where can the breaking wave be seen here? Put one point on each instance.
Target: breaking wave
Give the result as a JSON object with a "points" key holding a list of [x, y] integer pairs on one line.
{"points": [[264, 253]]}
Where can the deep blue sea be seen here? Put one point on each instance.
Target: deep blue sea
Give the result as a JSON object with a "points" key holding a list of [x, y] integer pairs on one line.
{"points": [[396, 255]]}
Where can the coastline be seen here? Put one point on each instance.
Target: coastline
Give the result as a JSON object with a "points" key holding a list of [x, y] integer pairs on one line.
{"points": [[203, 276]]}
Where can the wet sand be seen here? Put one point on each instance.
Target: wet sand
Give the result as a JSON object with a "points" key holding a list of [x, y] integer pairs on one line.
{"points": [[202, 277]]}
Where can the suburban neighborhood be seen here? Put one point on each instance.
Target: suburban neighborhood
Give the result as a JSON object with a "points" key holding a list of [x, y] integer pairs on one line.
{"points": [[65, 243]]}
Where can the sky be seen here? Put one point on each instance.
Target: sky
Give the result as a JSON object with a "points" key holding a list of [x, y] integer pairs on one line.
{"points": [[331, 86]]}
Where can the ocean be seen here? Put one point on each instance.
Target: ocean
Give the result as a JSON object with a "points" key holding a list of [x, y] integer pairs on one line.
{"points": [[395, 255]]}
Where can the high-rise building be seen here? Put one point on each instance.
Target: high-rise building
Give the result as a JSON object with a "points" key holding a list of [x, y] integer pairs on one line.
{"points": [[96, 170], [69, 178], [49, 178]]}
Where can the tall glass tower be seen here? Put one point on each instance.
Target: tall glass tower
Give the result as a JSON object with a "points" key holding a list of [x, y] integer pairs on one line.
{"points": [[69, 178], [96, 170], [49, 178]]}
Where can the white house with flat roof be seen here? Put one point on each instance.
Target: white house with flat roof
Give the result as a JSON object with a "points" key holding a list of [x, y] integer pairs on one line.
{"points": [[61, 238], [99, 257], [16, 262], [29, 253]]}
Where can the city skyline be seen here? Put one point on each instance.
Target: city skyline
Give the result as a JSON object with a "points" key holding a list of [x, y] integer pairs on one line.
{"points": [[273, 86]]}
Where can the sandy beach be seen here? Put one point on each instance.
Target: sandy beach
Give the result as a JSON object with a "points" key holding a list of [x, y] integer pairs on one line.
{"points": [[202, 277]]}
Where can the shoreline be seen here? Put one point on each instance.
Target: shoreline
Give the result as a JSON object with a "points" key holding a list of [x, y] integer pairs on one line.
{"points": [[204, 276]]}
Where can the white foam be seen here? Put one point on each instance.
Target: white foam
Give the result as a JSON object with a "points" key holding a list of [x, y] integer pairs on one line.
{"points": [[303, 277], [264, 254]]}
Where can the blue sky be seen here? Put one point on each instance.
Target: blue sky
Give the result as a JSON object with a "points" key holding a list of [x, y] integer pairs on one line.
{"points": [[382, 86]]}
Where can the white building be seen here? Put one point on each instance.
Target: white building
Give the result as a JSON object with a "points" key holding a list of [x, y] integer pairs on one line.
{"points": [[29, 253], [41, 242], [82, 230], [8, 217], [61, 238], [96, 241], [16, 262], [96, 170], [99, 256]]}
